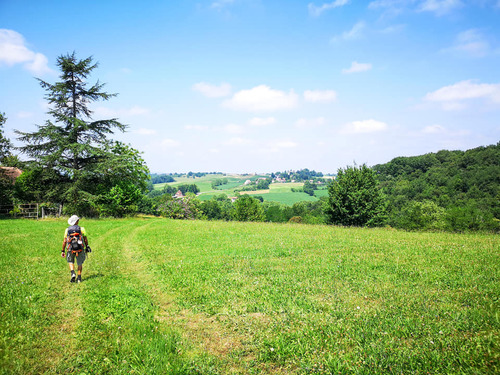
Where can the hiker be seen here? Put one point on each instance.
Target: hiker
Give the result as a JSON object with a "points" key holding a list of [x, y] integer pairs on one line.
{"points": [[74, 240]]}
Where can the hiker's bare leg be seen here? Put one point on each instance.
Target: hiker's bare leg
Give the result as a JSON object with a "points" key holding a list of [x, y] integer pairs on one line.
{"points": [[80, 270], [71, 266]]}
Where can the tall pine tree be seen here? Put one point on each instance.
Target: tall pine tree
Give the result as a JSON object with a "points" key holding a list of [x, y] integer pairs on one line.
{"points": [[73, 144]]}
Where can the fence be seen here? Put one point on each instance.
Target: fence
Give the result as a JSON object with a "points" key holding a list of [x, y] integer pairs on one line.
{"points": [[31, 210]]}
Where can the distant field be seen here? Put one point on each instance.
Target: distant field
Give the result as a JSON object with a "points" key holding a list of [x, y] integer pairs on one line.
{"points": [[195, 297], [278, 192]]}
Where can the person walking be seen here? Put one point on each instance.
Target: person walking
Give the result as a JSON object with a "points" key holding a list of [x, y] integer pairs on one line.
{"points": [[74, 240]]}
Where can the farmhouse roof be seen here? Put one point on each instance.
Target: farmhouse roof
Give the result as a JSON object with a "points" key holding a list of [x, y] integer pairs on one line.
{"points": [[12, 173]]}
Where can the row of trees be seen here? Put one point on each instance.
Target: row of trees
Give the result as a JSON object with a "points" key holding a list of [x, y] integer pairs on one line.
{"points": [[299, 176], [245, 208]]}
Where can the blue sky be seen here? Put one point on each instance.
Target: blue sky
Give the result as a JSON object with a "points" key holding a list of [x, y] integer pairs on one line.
{"points": [[264, 86]]}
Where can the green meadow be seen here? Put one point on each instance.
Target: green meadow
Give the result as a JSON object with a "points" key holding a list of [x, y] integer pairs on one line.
{"points": [[277, 192], [197, 297]]}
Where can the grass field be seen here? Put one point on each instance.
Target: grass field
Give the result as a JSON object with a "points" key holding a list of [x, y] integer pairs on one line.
{"points": [[194, 297]]}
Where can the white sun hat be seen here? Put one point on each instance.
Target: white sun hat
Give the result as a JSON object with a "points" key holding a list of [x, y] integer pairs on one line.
{"points": [[73, 219]]}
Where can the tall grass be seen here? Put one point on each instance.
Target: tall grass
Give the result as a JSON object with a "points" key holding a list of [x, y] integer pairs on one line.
{"points": [[164, 296]]}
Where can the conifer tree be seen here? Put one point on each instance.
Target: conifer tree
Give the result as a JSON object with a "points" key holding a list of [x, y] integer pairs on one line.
{"points": [[72, 143]]}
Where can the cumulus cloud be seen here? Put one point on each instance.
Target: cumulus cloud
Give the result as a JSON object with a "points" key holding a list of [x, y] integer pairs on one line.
{"points": [[363, 127], [395, 7], [234, 129], [442, 131], [316, 10], [262, 98], [221, 4], [13, 51], [357, 68], [433, 129], [453, 97], [213, 91], [167, 142], [145, 131], [238, 141], [285, 144], [470, 42], [355, 33], [320, 96], [262, 121], [306, 123], [440, 7], [121, 112], [196, 127]]}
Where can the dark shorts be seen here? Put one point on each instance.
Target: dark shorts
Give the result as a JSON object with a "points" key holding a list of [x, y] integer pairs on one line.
{"points": [[70, 257]]}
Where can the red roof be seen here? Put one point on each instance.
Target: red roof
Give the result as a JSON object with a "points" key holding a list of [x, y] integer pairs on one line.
{"points": [[11, 173]]}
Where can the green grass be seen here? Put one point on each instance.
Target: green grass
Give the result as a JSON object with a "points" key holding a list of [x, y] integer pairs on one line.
{"points": [[187, 297], [279, 192]]}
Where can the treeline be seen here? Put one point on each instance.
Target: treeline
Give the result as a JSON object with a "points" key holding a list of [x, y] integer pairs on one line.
{"points": [[298, 176], [447, 190], [245, 208], [161, 178]]}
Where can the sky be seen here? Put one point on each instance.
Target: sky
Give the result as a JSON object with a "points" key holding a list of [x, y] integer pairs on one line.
{"points": [[260, 86]]}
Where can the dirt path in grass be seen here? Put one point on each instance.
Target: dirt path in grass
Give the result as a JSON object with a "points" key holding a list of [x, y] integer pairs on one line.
{"points": [[204, 333]]}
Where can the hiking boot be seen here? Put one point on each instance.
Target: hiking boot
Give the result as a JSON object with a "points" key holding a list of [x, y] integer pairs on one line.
{"points": [[79, 279], [73, 278]]}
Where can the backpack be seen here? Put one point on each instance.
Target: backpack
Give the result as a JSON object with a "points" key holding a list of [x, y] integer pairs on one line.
{"points": [[74, 239]]}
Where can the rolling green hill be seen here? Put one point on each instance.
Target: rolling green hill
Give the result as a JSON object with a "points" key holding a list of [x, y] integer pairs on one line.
{"points": [[278, 192]]}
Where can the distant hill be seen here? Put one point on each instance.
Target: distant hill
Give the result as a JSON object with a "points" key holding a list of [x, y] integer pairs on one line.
{"points": [[465, 184]]}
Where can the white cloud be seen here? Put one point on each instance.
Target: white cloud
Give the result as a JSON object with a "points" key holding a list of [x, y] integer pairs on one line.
{"points": [[357, 68], [443, 132], [433, 129], [234, 129], [285, 144], [262, 121], [196, 127], [144, 131], [167, 142], [23, 114], [472, 43], [363, 127], [237, 141], [453, 97], [395, 7], [306, 123], [440, 7], [316, 11], [320, 96], [355, 33], [221, 3], [14, 51], [120, 112], [262, 98], [213, 91]]}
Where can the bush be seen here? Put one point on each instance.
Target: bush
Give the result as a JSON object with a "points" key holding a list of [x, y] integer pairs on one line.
{"points": [[426, 215], [186, 208], [247, 208]]}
